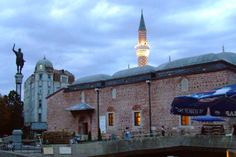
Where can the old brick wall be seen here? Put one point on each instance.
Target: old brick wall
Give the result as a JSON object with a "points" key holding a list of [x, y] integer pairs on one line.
{"points": [[133, 97]]}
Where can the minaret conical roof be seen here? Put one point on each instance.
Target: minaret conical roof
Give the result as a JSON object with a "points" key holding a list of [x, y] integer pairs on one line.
{"points": [[142, 26]]}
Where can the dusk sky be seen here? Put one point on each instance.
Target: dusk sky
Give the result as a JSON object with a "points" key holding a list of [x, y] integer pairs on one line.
{"points": [[98, 36]]}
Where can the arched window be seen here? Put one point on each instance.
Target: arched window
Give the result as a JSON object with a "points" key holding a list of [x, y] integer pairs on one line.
{"points": [[113, 93], [137, 118], [110, 118], [82, 97], [184, 85]]}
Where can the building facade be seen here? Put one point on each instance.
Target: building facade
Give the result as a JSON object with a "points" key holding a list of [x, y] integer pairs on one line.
{"points": [[45, 81], [137, 98]]}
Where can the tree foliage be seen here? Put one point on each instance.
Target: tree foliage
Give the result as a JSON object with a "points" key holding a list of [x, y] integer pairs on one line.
{"points": [[11, 113], [4, 116]]}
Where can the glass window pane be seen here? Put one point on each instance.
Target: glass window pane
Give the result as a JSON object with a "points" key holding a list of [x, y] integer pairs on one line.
{"points": [[185, 120], [110, 119], [137, 118]]}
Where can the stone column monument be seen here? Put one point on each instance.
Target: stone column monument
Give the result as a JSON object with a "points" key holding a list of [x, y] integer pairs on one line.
{"points": [[17, 139], [19, 63]]}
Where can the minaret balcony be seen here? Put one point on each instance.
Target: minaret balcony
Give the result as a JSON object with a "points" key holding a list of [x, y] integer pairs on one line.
{"points": [[141, 52]]}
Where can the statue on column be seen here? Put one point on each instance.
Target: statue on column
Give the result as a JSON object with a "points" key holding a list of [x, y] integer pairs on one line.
{"points": [[19, 59]]}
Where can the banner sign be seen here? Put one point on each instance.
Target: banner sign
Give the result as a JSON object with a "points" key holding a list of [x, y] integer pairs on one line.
{"points": [[189, 111], [102, 123]]}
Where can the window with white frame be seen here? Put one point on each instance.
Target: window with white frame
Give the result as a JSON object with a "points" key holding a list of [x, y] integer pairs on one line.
{"points": [[82, 97], [49, 83], [64, 79], [184, 85], [40, 83], [113, 93]]}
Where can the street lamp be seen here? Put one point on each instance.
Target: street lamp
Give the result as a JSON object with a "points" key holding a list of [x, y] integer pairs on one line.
{"points": [[149, 105], [98, 125]]}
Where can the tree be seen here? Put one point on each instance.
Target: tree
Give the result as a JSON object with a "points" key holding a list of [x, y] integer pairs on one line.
{"points": [[11, 113], [5, 117], [15, 106]]}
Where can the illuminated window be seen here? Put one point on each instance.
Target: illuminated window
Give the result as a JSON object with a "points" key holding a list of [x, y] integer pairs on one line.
{"points": [[137, 118], [41, 67], [185, 120], [184, 85], [110, 119]]}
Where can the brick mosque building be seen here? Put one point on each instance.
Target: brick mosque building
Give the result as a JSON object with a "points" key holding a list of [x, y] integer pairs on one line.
{"points": [[138, 98]]}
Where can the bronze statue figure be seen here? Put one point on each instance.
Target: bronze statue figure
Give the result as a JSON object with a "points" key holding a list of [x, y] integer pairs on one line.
{"points": [[19, 59]]}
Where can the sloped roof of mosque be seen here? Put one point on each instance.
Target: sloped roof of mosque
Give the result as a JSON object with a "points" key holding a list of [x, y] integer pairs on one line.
{"points": [[134, 71], [228, 56], [211, 57], [206, 58], [92, 78]]}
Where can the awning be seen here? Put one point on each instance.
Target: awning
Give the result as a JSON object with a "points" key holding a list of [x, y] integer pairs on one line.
{"points": [[39, 126], [220, 102], [208, 118], [80, 107]]}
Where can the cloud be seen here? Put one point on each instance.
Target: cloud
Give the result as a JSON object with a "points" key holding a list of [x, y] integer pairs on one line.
{"points": [[92, 37]]}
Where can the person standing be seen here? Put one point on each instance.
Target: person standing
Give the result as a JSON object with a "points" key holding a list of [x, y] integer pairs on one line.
{"points": [[163, 130], [127, 134]]}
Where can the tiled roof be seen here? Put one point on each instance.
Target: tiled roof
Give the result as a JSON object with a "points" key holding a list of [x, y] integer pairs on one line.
{"points": [[92, 78], [134, 71], [80, 107], [226, 56], [206, 58]]}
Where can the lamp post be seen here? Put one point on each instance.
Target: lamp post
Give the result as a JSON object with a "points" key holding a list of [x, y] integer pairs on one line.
{"points": [[98, 124], [149, 105]]}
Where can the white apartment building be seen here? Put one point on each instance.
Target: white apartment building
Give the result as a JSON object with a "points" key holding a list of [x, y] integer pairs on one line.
{"points": [[44, 81]]}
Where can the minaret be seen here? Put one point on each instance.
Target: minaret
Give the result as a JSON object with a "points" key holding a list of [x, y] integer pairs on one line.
{"points": [[142, 48]]}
